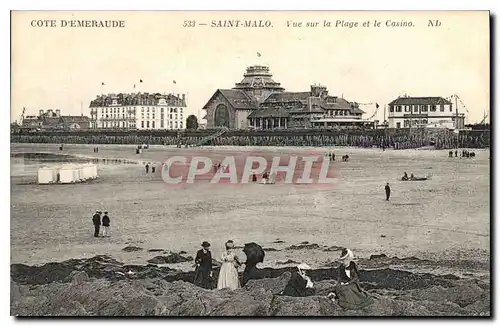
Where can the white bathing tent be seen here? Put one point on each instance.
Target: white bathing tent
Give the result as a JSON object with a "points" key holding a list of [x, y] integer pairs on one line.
{"points": [[68, 173], [47, 175], [77, 173]]}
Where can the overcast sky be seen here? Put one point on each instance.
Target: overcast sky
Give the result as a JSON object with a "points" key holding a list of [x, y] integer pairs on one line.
{"points": [[64, 67]]}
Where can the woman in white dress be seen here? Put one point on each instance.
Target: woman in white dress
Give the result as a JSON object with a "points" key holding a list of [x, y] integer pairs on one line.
{"points": [[228, 275]]}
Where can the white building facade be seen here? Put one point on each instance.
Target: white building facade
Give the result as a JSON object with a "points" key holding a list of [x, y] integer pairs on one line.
{"points": [[139, 111], [424, 112]]}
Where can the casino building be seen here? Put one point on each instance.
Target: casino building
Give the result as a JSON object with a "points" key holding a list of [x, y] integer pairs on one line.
{"points": [[258, 102], [141, 111]]}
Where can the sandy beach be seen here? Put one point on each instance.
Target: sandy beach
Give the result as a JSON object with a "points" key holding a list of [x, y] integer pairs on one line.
{"points": [[443, 219]]}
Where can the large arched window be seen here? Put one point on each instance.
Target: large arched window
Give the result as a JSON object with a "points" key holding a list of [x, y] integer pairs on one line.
{"points": [[221, 117]]}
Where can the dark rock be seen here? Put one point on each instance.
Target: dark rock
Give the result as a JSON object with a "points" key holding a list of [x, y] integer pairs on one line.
{"points": [[182, 252], [279, 241], [131, 249], [378, 256], [305, 242], [270, 249], [462, 295], [273, 285], [173, 258], [78, 277], [15, 292], [156, 250], [289, 261], [259, 297], [302, 306], [303, 246], [334, 248]]}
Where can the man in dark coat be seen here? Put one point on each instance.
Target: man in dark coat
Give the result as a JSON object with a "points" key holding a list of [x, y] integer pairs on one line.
{"points": [[96, 219], [387, 191], [147, 167], [203, 272], [105, 225]]}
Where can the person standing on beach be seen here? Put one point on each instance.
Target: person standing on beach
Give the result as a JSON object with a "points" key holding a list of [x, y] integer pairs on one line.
{"points": [[96, 219], [387, 191], [153, 168], [228, 274], [105, 225], [203, 260], [147, 167]]}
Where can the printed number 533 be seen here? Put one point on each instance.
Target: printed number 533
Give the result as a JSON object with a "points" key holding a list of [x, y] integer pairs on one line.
{"points": [[189, 23]]}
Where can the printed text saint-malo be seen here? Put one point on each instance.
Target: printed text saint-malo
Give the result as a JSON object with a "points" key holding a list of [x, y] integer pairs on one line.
{"points": [[240, 23]]}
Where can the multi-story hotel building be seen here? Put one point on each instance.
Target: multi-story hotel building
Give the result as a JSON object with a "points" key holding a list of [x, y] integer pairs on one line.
{"points": [[141, 111], [424, 112]]}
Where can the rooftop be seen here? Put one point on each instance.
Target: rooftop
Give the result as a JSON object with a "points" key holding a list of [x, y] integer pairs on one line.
{"points": [[427, 100]]}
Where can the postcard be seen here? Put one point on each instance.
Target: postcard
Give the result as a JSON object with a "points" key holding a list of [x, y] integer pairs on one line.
{"points": [[250, 163]]}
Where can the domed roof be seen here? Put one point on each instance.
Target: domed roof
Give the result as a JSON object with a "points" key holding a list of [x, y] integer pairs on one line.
{"points": [[258, 77]]}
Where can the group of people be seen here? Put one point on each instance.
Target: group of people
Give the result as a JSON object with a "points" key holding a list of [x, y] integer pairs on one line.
{"points": [[148, 165], [414, 178], [228, 274], [98, 221], [406, 178], [465, 153], [347, 292]]}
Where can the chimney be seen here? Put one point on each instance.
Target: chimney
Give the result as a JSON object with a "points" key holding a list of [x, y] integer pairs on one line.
{"points": [[40, 112], [58, 113]]}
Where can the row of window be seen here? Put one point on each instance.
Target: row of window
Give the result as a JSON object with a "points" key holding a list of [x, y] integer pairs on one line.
{"points": [[416, 108], [123, 124], [123, 116], [172, 125], [171, 116], [414, 123], [153, 109]]}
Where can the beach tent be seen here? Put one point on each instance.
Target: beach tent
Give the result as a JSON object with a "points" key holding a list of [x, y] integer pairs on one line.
{"points": [[46, 175], [66, 174], [87, 172], [77, 171], [94, 171]]}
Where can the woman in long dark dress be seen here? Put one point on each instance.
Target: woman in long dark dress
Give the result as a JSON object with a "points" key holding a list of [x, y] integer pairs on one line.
{"points": [[348, 291], [203, 272], [300, 285]]}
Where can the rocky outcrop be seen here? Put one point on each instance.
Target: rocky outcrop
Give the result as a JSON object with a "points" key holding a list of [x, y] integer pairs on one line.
{"points": [[157, 297], [102, 286]]}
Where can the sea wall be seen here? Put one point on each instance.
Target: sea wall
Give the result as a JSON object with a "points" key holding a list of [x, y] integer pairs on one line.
{"points": [[395, 138]]}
